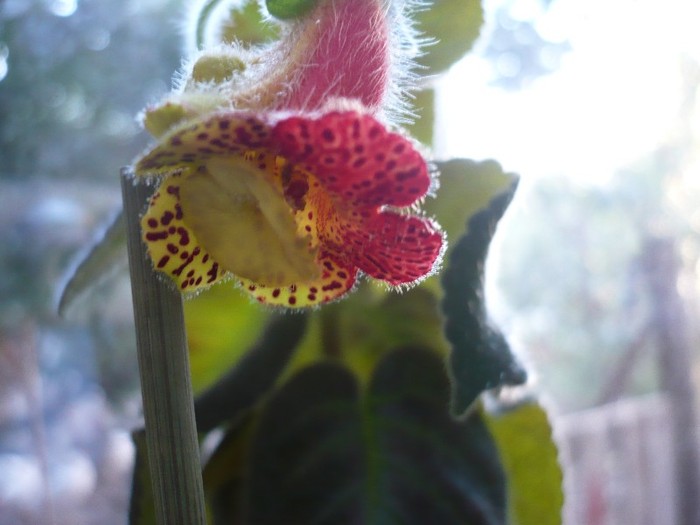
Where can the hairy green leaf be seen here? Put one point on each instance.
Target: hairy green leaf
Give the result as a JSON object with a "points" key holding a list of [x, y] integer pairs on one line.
{"points": [[325, 452], [530, 457], [480, 358], [453, 26]]}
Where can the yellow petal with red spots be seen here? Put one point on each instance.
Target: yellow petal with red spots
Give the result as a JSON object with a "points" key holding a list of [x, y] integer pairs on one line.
{"points": [[239, 213], [335, 281], [172, 245], [218, 135]]}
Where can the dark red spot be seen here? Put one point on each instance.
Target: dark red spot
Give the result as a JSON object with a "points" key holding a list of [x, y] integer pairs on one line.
{"points": [[400, 148], [292, 300], [224, 124], [198, 281], [276, 292], [184, 236], [252, 287], [203, 136], [172, 248], [163, 261], [403, 175], [166, 218], [152, 223], [375, 132], [156, 236], [190, 274], [311, 297], [313, 289], [334, 285], [328, 135], [342, 275], [213, 272]]}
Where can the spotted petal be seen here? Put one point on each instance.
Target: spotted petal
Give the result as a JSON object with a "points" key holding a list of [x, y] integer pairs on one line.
{"points": [[171, 243], [336, 280], [355, 158], [217, 135], [398, 249]]}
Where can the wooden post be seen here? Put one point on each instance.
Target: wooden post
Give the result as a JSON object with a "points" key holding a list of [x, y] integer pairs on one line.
{"points": [[171, 433], [661, 269]]}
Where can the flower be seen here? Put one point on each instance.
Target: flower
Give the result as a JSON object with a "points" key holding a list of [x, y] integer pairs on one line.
{"points": [[295, 207]]}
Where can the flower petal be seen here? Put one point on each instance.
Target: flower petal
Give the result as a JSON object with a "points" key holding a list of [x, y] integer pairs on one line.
{"points": [[356, 159], [218, 135], [397, 249], [172, 245], [336, 280], [246, 224]]}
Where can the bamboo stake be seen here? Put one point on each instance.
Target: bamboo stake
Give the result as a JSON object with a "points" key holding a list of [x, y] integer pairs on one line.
{"points": [[171, 434]]}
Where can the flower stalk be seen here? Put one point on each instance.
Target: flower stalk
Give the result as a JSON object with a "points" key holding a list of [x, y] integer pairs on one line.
{"points": [[171, 434]]}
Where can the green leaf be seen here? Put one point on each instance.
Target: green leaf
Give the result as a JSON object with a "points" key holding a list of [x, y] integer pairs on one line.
{"points": [[530, 457], [222, 324], [242, 387], [247, 25], [326, 453], [142, 509], [466, 187], [453, 26], [480, 358], [286, 9], [100, 261], [244, 23], [226, 472]]}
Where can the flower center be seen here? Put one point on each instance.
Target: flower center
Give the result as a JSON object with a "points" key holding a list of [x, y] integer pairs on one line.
{"points": [[239, 214]]}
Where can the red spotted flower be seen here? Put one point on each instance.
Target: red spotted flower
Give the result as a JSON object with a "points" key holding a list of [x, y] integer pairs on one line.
{"points": [[294, 207]]}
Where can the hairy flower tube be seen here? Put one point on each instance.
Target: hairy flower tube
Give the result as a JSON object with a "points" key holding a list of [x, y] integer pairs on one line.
{"points": [[295, 207]]}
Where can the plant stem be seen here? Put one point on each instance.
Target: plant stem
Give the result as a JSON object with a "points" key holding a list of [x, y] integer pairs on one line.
{"points": [[171, 433]]}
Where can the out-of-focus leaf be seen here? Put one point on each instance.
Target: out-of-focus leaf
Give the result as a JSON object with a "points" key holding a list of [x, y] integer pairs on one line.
{"points": [[253, 376], [480, 358], [142, 509], [286, 9], [222, 324], [246, 25], [454, 26], [100, 261], [226, 472], [326, 453], [466, 186], [423, 124], [530, 458], [239, 21]]}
